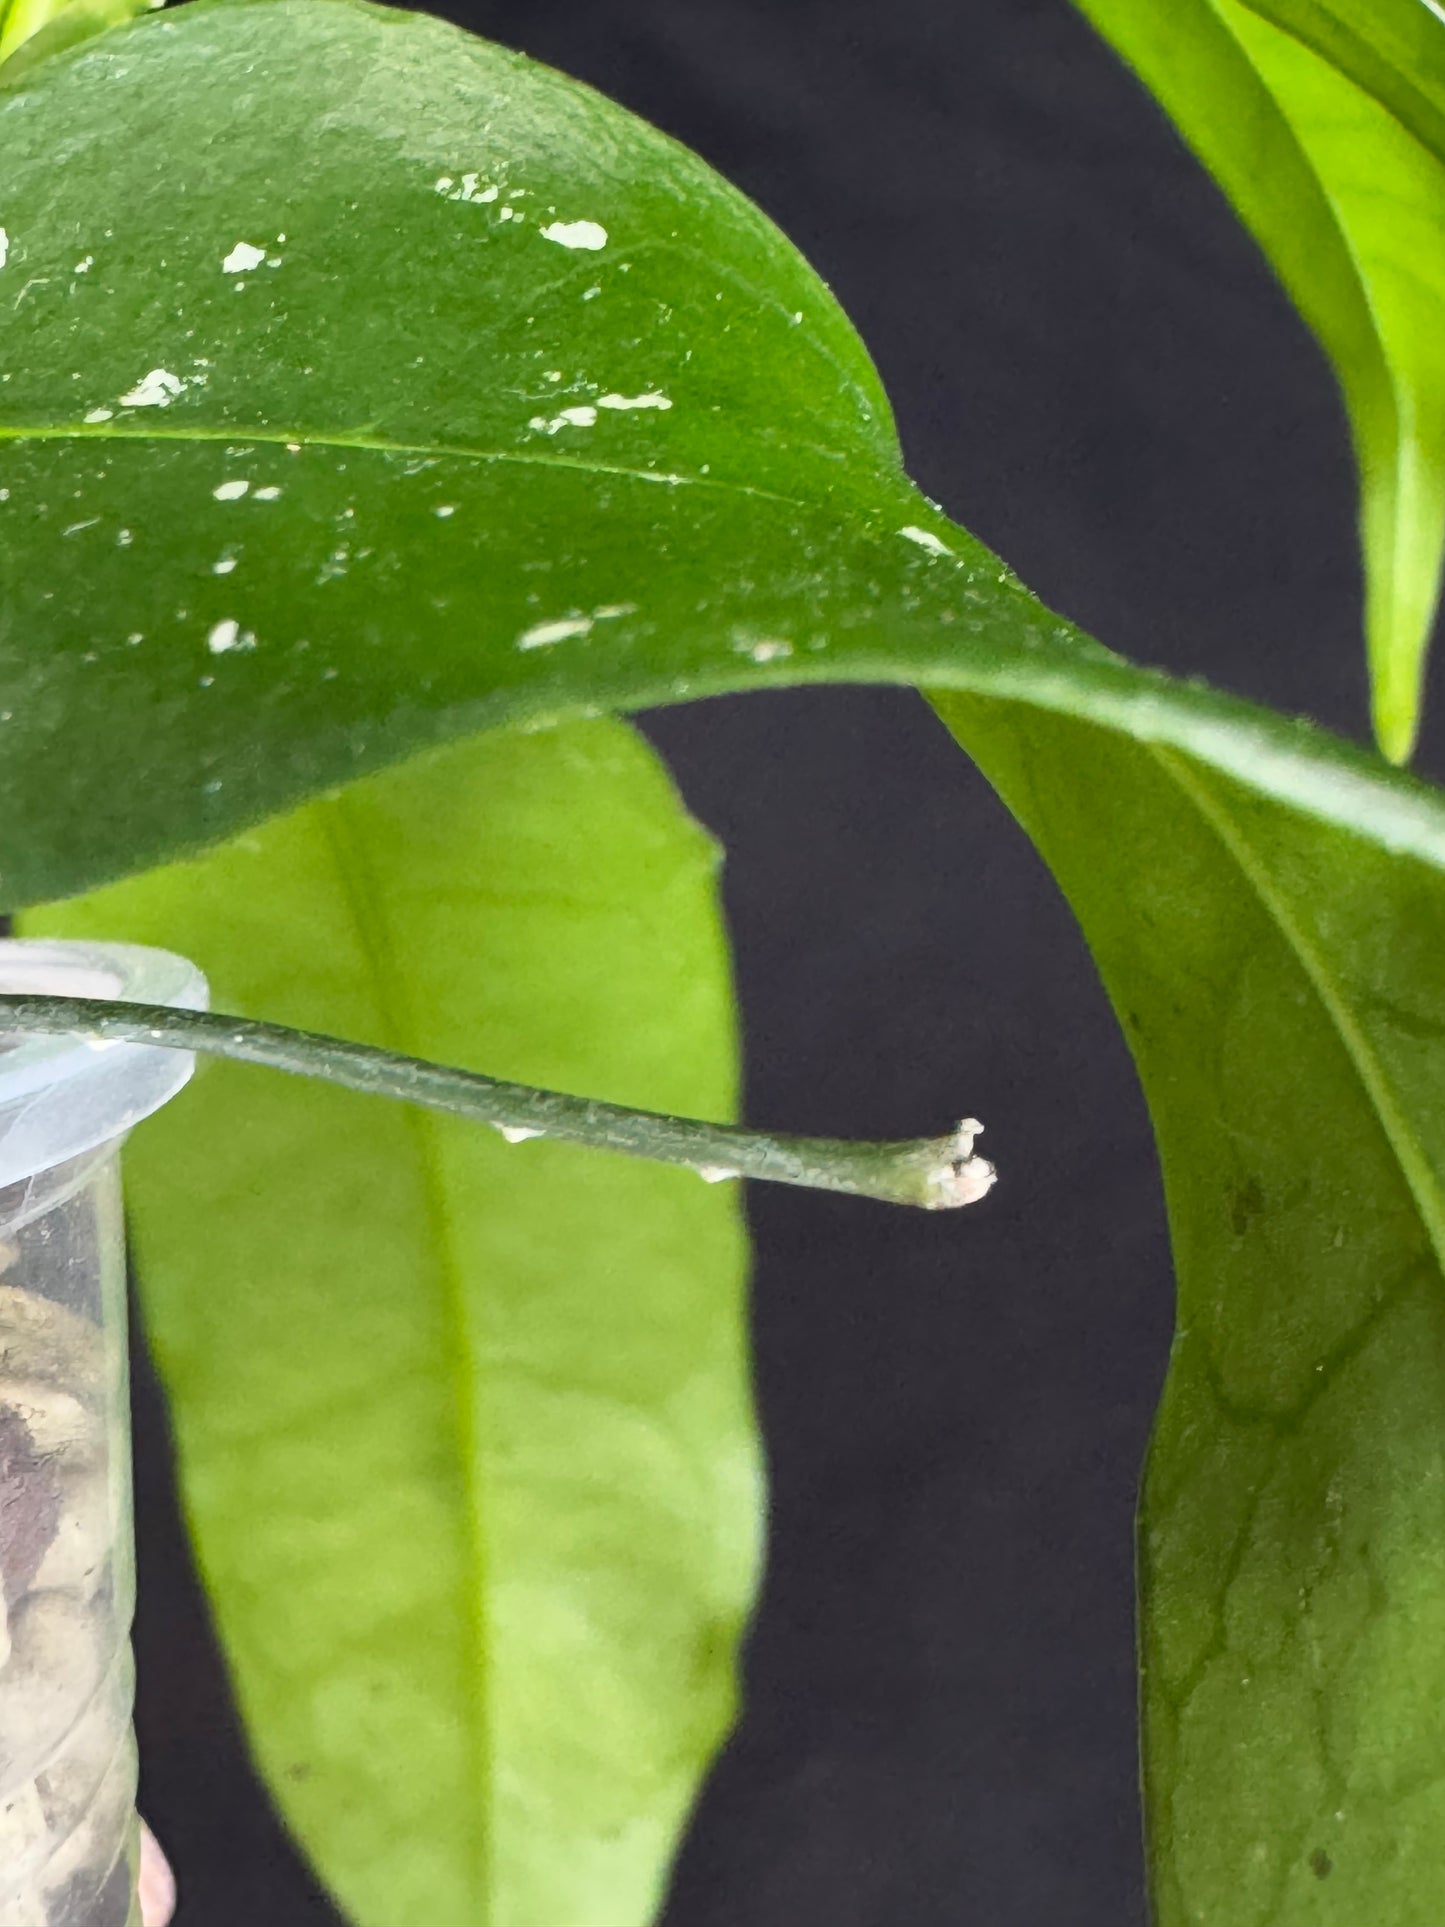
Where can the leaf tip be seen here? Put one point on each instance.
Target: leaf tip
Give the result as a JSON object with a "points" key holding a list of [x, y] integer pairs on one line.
{"points": [[1403, 538], [1397, 679], [1396, 734]]}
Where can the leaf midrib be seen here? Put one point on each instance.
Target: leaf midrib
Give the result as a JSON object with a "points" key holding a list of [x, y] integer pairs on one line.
{"points": [[358, 442], [390, 1002], [1419, 1179], [1409, 834]]}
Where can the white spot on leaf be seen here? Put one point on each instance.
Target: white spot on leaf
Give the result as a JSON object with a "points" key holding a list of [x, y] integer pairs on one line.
{"points": [[100, 415], [230, 491], [468, 191], [763, 648], [584, 415], [242, 258], [4, 247], [158, 389], [268, 494], [229, 635], [590, 235], [543, 634], [925, 540], [650, 400]]}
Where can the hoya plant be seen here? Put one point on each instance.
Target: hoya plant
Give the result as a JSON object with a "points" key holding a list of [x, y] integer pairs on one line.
{"points": [[384, 417]]}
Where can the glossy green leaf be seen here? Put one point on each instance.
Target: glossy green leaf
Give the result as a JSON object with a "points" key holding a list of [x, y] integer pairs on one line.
{"points": [[1281, 990], [1324, 123], [275, 512], [463, 1426]]}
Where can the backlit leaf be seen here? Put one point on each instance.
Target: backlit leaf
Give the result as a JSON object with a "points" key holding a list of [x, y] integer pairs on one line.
{"points": [[1324, 123], [463, 1425]]}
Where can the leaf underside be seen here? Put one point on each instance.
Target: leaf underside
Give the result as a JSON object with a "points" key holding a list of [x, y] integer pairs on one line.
{"points": [[1324, 123], [463, 1426], [1281, 989], [598, 439]]}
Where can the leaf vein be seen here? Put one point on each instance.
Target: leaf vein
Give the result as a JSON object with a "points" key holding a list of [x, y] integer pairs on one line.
{"points": [[377, 952], [384, 445]]}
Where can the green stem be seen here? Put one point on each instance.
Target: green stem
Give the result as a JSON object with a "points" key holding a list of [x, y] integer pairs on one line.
{"points": [[936, 1173]]}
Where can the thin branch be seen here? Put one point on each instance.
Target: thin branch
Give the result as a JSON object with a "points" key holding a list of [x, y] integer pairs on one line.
{"points": [[936, 1173]]}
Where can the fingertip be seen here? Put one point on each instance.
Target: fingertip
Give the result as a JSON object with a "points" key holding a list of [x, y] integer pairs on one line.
{"points": [[157, 1885]]}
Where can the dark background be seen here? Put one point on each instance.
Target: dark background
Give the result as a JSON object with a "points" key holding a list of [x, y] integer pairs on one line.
{"points": [[1093, 370]]}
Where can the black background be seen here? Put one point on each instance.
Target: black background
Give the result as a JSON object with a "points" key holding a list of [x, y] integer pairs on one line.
{"points": [[1093, 370]]}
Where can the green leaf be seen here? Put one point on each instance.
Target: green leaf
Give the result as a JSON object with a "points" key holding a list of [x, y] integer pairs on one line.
{"points": [[463, 1426], [1281, 989], [266, 529], [447, 522], [1324, 123]]}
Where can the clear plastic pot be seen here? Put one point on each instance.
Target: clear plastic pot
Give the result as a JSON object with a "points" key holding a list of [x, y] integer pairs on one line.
{"points": [[68, 1832]]}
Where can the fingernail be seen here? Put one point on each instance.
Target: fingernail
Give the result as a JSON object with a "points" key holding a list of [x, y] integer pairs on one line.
{"points": [[157, 1882]]}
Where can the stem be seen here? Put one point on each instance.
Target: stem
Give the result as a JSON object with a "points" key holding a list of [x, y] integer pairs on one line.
{"points": [[936, 1173]]}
